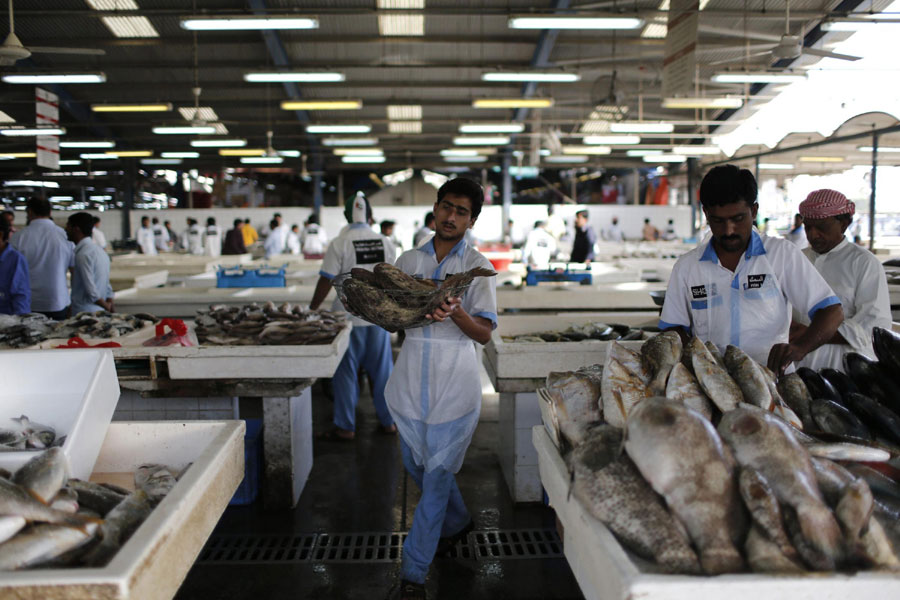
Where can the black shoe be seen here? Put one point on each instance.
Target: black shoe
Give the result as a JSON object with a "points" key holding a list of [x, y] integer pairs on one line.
{"points": [[445, 544], [411, 591]]}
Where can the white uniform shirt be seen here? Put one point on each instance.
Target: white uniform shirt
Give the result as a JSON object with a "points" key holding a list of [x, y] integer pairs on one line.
{"points": [[49, 254], [90, 278], [613, 233], [421, 235], [98, 237], [361, 247], [161, 238], [146, 241], [277, 239], [858, 279], [539, 248], [195, 239], [751, 307], [313, 239], [212, 245], [798, 237], [293, 243]]}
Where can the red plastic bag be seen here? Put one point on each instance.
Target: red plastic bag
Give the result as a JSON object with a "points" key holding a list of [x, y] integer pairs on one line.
{"points": [[178, 334], [77, 342]]}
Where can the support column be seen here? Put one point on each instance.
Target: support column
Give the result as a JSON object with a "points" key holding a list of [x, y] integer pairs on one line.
{"points": [[692, 196], [636, 188], [287, 447], [317, 193], [507, 194], [128, 200], [872, 194], [756, 170], [340, 189]]}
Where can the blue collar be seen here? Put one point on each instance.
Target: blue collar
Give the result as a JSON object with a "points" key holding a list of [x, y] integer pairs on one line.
{"points": [[755, 248], [458, 249], [357, 225]]}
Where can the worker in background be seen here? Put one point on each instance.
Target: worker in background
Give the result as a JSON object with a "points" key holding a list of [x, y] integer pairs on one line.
{"points": [[184, 238], [173, 237], [10, 218], [160, 236], [434, 393], [517, 235], [293, 240], [669, 233], [272, 245], [145, 239], [370, 345], [739, 288], [556, 225], [97, 235], [613, 233], [91, 291], [797, 234], [425, 232], [15, 290], [234, 239], [212, 238], [540, 247], [278, 233], [585, 238], [49, 254], [854, 274], [250, 234], [313, 239], [388, 230], [649, 233]]}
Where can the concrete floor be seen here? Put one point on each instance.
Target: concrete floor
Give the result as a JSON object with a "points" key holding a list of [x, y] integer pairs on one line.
{"points": [[362, 487]]}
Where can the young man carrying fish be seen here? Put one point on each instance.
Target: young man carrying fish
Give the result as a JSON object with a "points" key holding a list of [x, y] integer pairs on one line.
{"points": [[738, 289], [434, 393]]}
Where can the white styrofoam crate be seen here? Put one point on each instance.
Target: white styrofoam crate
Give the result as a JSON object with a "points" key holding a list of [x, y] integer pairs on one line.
{"points": [[606, 571], [73, 391], [155, 561], [604, 296]]}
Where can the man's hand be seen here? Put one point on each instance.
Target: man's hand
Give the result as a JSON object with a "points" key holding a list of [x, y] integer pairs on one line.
{"points": [[107, 305], [445, 310], [781, 355]]}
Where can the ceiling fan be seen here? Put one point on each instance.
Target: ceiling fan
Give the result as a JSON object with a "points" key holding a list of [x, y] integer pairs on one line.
{"points": [[13, 50]]}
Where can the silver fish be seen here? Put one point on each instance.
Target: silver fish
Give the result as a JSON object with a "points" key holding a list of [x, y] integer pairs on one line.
{"points": [[847, 451], [752, 381], [683, 387], [620, 391], [66, 500], [42, 543], [854, 510], [629, 359], [795, 394], [576, 399], [715, 381], [118, 526], [760, 500], [10, 525], [714, 352], [765, 556], [44, 475], [15, 500], [95, 497], [38, 435], [155, 480], [661, 353], [680, 455]]}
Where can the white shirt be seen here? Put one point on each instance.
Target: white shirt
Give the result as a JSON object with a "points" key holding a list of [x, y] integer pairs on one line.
{"points": [[421, 235], [613, 233], [361, 247], [313, 239], [798, 237], [195, 239], [213, 241], [49, 254], [161, 237], [556, 226], [146, 241], [98, 237], [751, 307], [293, 243], [539, 248], [90, 278], [858, 279], [279, 239]]}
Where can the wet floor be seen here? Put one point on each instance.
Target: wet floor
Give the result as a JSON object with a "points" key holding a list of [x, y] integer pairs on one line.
{"points": [[361, 487]]}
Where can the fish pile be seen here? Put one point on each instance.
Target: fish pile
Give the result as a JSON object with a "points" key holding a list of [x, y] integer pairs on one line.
{"points": [[47, 519], [19, 331], [393, 300], [698, 462], [254, 325], [25, 434], [579, 333]]}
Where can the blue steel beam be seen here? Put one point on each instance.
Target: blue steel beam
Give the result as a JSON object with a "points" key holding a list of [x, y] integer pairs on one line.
{"points": [[540, 58]]}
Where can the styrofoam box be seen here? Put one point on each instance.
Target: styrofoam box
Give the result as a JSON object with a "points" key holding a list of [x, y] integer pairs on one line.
{"points": [[155, 561], [633, 295], [73, 391], [606, 571]]}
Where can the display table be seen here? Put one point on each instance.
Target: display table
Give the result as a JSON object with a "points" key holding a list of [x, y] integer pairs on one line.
{"points": [[184, 302], [627, 296], [122, 278]]}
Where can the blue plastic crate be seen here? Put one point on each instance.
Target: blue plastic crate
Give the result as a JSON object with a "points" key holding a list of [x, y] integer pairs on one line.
{"points": [[239, 277], [253, 464]]}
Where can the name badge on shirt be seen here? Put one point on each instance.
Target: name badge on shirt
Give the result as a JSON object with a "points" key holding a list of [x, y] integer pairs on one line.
{"points": [[698, 292], [368, 251], [755, 282]]}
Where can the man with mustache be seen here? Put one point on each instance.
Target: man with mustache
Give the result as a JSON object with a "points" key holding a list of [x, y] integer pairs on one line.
{"points": [[738, 289]]}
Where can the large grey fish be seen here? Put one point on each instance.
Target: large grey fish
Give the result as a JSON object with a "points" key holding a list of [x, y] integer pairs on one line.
{"points": [[680, 455], [765, 556], [752, 381], [760, 500], [621, 391], [66, 500], [714, 352], [607, 483], [847, 451], [796, 395], [661, 353], [765, 443], [155, 480], [10, 525], [629, 359], [44, 475], [576, 399], [15, 500], [38, 435], [683, 387], [42, 543], [715, 381], [878, 482], [831, 417], [118, 526], [854, 509], [95, 497]]}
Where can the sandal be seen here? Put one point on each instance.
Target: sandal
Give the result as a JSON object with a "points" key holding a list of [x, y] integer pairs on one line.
{"points": [[334, 435]]}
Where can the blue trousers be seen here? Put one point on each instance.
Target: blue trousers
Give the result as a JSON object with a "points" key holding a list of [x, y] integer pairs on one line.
{"points": [[370, 347], [440, 512]]}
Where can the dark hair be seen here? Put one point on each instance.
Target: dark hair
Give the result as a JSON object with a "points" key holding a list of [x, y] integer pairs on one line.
{"points": [[155, 221], [313, 219], [538, 224], [9, 212], [429, 218], [845, 218], [144, 218], [210, 221], [40, 207], [96, 220], [646, 221], [388, 223], [247, 221], [727, 184], [582, 213], [461, 186], [83, 222], [4, 230], [273, 224], [238, 222], [276, 216], [167, 223]]}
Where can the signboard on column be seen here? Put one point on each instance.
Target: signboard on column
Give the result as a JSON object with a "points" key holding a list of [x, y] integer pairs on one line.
{"points": [[47, 113], [679, 62]]}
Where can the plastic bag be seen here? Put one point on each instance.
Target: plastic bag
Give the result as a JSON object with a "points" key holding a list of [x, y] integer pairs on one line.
{"points": [[77, 342], [178, 334]]}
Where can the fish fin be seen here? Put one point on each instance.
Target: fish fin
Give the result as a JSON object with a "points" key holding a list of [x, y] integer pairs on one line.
{"points": [[80, 522], [36, 496]]}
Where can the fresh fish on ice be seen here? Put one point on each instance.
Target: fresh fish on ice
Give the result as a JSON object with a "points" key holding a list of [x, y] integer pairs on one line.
{"points": [[796, 395], [714, 379], [575, 396], [42, 543], [661, 353], [621, 390], [44, 475], [155, 480], [118, 526], [682, 386], [765, 511], [765, 556], [752, 381]]}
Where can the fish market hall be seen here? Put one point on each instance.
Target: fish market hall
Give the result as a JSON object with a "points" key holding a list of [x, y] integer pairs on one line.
{"points": [[420, 299]]}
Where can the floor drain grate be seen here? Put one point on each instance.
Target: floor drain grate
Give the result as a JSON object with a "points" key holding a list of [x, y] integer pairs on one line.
{"points": [[373, 547]]}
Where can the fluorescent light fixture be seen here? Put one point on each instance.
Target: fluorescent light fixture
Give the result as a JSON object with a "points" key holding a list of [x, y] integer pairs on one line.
{"points": [[61, 198], [466, 159], [31, 183], [231, 143], [321, 105], [404, 126], [567, 22], [112, 4], [69, 163], [468, 151], [641, 127], [131, 107], [643, 152], [362, 159], [201, 113], [459, 152], [289, 153], [404, 112], [31, 131], [689, 150], [262, 160], [184, 130], [539, 77], [760, 77], [130, 153], [711, 102], [513, 103], [655, 31], [248, 22], [492, 128], [130, 27], [496, 140], [400, 4], [5, 118], [86, 144], [821, 159], [180, 154], [349, 141], [665, 158], [358, 152], [404, 24], [161, 161], [861, 25], [97, 156], [880, 149], [34, 78], [242, 152], [594, 150], [775, 166], [299, 77], [12, 155], [338, 128], [612, 140], [567, 158]]}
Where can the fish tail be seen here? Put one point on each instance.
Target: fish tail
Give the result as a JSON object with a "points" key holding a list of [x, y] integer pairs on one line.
{"points": [[37, 497], [819, 527]]}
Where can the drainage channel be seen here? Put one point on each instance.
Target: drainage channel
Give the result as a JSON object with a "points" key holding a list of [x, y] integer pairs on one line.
{"points": [[373, 547]]}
